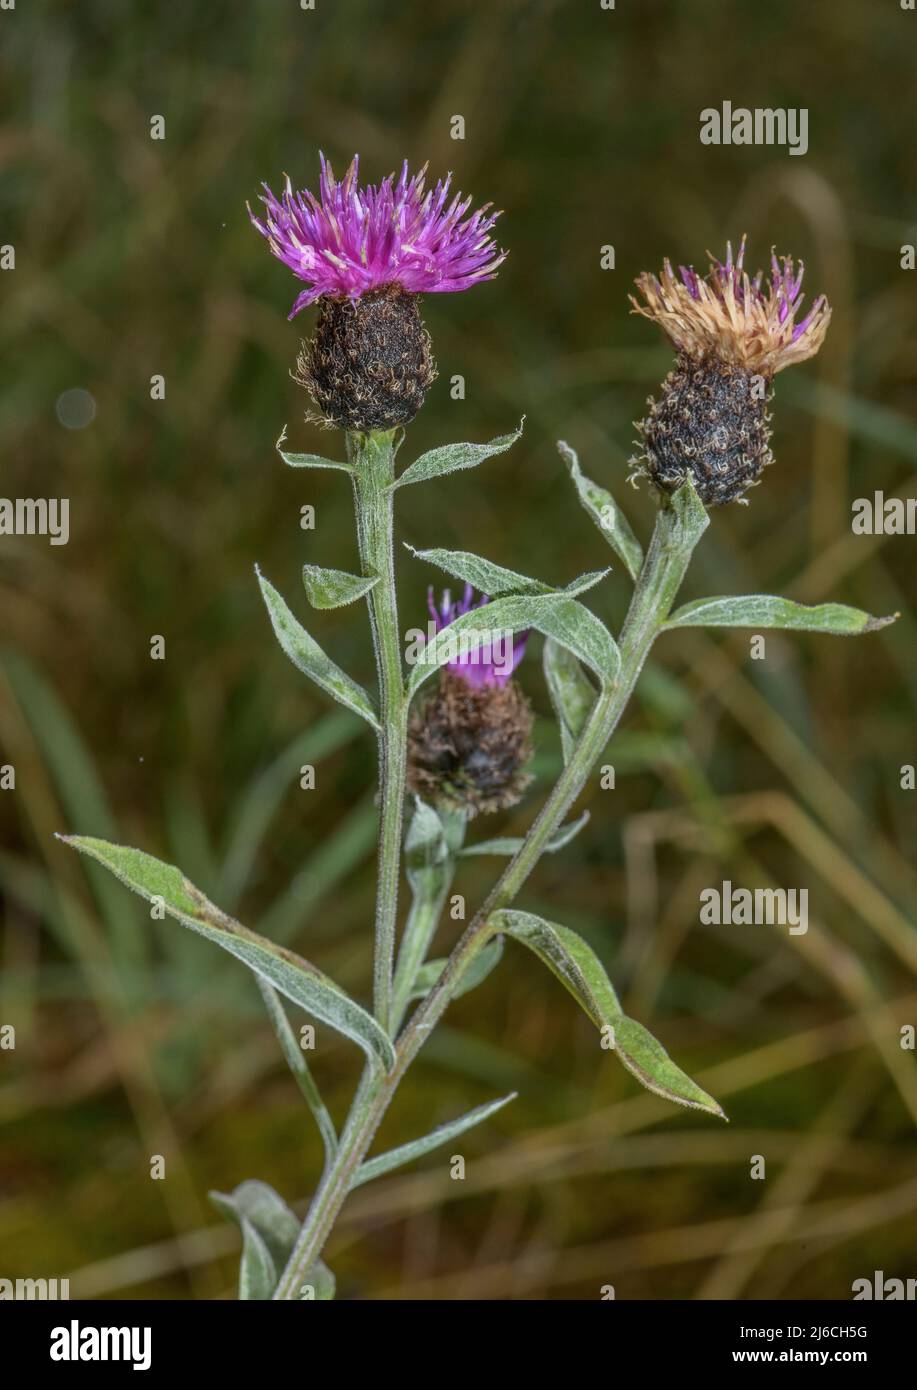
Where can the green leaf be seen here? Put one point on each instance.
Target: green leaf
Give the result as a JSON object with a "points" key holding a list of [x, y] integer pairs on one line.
{"points": [[257, 1271], [554, 615], [605, 512], [687, 517], [511, 844], [296, 1061], [319, 1284], [579, 969], [294, 977], [308, 657], [473, 975], [269, 1232], [766, 610], [327, 588], [258, 1203], [310, 460], [494, 579], [452, 457], [425, 848], [571, 691], [406, 1153]]}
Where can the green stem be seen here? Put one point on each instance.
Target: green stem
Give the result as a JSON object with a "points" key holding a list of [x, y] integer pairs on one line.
{"points": [[660, 578], [374, 456]]}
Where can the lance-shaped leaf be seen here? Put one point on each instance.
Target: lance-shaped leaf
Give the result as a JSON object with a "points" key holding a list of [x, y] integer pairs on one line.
{"points": [[295, 978], [512, 844], [426, 851], [554, 615], [495, 579], [452, 457], [308, 657], [327, 588], [766, 610], [269, 1232], [474, 974], [406, 1153], [605, 512], [309, 460], [579, 969], [571, 691], [296, 1061]]}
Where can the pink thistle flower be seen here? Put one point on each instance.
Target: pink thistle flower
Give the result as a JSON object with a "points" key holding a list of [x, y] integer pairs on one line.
{"points": [[351, 240]]}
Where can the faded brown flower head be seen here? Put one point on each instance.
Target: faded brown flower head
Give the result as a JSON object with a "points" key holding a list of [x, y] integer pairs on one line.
{"points": [[732, 334]]}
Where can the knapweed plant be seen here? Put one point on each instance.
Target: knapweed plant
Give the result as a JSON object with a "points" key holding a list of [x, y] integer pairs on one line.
{"points": [[453, 728]]}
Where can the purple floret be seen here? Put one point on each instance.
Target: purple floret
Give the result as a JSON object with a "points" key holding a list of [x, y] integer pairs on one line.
{"points": [[351, 240], [474, 666]]}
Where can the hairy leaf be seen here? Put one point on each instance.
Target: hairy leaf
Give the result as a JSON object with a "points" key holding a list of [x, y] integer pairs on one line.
{"points": [[579, 969], [327, 588], [294, 977], [310, 460], [452, 457], [308, 657], [767, 611], [605, 512], [406, 1153], [269, 1232], [554, 615], [494, 579], [475, 974], [511, 844], [571, 691]]}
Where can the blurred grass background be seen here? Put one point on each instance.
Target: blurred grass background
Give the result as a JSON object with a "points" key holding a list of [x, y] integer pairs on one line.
{"points": [[135, 257]]}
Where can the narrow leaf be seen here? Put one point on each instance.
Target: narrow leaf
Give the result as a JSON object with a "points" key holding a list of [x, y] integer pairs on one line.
{"points": [[606, 513], [308, 657], [475, 974], [294, 977], [452, 457], [647, 1060], [768, 611], [406, 1153], [328, 588], [309, 460], [425, 848], [296, 1061], [554, 615], [269, 1232], [579, 969], [571, 691], [511, 844], [494, 579], [258, 1203], [257, 1271]]}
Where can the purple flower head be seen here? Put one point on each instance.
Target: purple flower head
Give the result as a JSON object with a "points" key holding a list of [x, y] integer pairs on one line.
{"points": [[492, 663], [740, 319], [350, 239]]}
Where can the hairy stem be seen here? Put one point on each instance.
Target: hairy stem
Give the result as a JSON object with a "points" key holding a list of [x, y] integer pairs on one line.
{"points": [[660, 578], [374, 456]]}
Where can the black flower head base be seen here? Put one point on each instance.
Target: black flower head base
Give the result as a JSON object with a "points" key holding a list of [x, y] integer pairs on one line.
{"points": [[468, 746], [732, 335], [370, 363]]}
